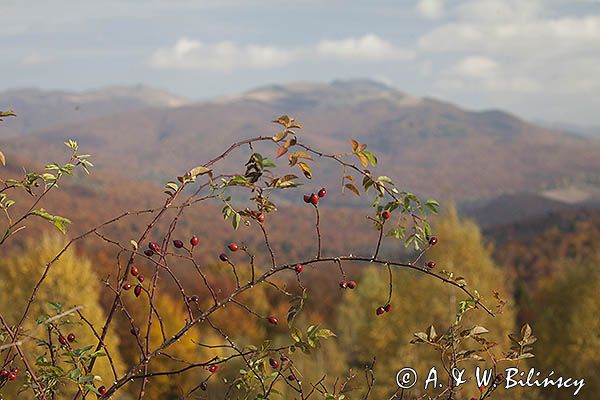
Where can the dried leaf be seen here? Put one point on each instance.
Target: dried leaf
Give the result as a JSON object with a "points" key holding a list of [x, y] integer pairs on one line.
{"points": [[281, 151], [352, 188]]}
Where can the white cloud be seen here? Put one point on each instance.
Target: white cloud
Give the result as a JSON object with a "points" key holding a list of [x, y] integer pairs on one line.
{"points": [[189, 54], [222, 56], [499, 10], [510, 45], [478, 72], [431, 9], [368, 47], [477, 67]]}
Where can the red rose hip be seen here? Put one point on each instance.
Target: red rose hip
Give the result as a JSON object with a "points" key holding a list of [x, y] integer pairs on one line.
{"points": [[194, 240], [322, 192], [233, 247]]}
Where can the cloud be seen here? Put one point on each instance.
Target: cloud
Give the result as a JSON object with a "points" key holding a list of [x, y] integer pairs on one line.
{"points": [[430, 9], [510, 45], [367, 48], [189, 54], [477, 67], [478, 72]]}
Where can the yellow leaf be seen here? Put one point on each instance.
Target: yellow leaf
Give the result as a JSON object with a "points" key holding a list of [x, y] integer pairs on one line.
{"points": [[280, 136], [290, 142], [284, 120], [363, 159], [355, 145], [302, 154], [2, 158], [305, 169]]}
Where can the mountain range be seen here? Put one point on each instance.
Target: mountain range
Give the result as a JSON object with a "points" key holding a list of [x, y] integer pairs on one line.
{"points": [[428, 146]]}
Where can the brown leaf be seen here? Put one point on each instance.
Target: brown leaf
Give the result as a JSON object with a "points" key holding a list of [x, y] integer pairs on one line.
{"points": [[353, 188], [281, 151]]}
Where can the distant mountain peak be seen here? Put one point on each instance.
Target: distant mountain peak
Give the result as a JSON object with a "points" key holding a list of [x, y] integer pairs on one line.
{"points": [[145, 94], [339, 93]]}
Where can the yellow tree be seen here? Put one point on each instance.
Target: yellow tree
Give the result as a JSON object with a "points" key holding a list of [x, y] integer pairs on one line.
{"points": [[568, 327], [71, 282], [419, 301]]}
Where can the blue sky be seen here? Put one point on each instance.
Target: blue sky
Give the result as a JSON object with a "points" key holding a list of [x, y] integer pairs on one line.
{"points": [[536, 58]]}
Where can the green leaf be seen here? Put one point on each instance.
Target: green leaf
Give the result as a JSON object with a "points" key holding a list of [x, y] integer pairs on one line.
{"points": [[59, 222], [235, 222], [371, 157]]}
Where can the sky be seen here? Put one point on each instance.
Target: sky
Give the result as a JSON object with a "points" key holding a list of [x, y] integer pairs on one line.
{"points": [[538, 59]]}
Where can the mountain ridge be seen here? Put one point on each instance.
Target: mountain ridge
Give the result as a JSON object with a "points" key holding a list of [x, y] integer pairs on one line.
{"points": [[430, 146]]}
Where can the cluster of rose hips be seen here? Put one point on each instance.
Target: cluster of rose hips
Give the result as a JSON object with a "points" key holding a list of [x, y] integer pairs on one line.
{"points": [[313, 198], [137, 291], [275, 365], [233, 247], [348, 284], [66, 340], [383, 309], [7, 375]]}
